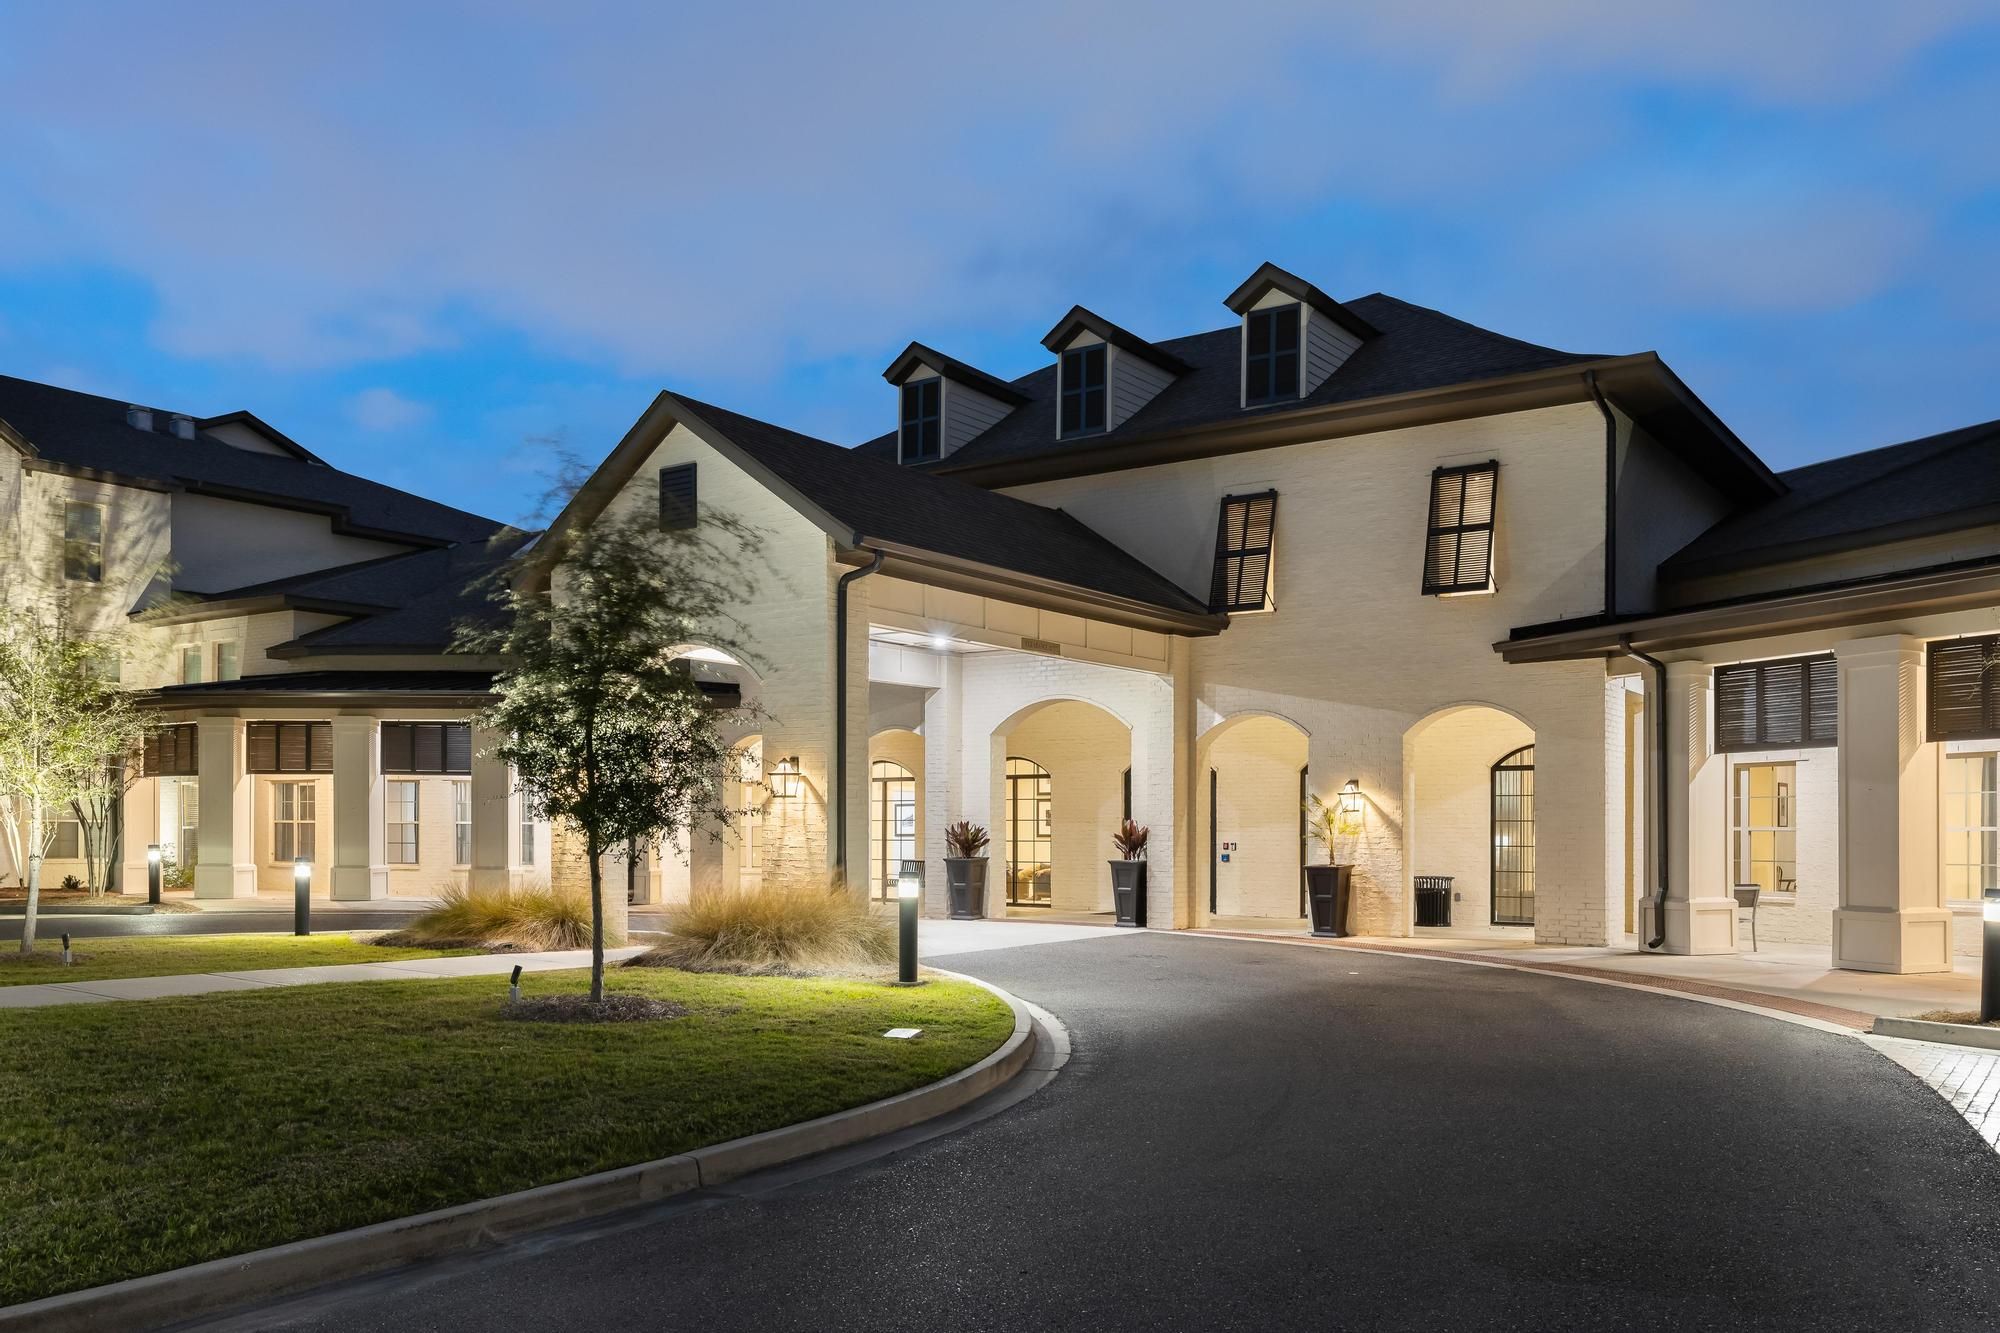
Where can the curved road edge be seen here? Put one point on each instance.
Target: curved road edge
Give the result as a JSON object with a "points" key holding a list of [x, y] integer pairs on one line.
{"points": [[1037, 1047]]}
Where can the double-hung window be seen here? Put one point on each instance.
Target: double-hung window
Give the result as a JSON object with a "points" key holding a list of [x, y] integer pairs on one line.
{"points": [[228, 660], [527, 832], [1784, 704], [399, 822], [1458, 544], [1964, 688], [1244, 535], [923, 420], [1271, 355], [191, 664], [293, 821], [83, 542], [461, 823], [1971, 825], [1083, 390]]}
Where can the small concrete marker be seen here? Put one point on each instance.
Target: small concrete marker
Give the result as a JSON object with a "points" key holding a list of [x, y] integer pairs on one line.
{"points": [[903, 1034]]}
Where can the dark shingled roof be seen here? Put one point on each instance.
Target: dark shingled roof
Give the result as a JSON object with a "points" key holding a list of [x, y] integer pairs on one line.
{"points": [[424, 596], [81, 431], [1937, 483], [1414, 348], [947, 516], [454, 684]]}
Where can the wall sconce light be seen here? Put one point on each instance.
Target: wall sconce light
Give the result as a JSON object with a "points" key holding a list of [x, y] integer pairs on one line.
{"points": [[1350, 798], [785, 780]]}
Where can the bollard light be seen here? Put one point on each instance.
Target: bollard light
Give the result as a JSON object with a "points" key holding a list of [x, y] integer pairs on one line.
{"points": [[514, 986], [302, 883], [66, 957], [153, 873], [1989, 960], [909, 896]]}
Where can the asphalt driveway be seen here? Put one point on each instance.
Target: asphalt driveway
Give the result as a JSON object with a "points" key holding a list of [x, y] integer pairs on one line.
{"points": [[1255, 1136]]}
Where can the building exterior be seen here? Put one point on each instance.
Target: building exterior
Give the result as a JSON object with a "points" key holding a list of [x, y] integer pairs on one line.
{"points": [[1561, 636]]}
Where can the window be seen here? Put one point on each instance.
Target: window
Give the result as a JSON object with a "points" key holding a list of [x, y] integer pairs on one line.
{"points": [[1964, 693], [66, 841], [83, 543], [461, 823], [1271, 355], [1030, 834], [426, 747], [1083, 390], [292, 821], [191, 664], [228, 661], [399, 821], [1971, 824], [1458, 547], [1764, 820], [892, 817], [527, 832], [923, 420], [290, 747], [187, 821], [677, 507], [1792, 702], [1514, 839], [170, 752], [1242, 580]]}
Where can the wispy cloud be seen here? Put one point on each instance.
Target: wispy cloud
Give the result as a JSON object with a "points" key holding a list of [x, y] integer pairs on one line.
{"points": [[381, 409]]}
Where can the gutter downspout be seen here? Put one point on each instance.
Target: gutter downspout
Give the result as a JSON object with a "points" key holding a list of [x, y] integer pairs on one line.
{"points": [[1610, 495], [838, 784], [1659, 783]]}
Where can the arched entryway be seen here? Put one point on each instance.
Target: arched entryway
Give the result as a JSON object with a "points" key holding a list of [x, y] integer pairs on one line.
{"points": [[1249, 821], [1058, 796], [892, 825], [1469, 798]]}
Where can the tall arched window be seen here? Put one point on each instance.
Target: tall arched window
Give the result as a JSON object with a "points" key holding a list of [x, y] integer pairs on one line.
{"points": [[1514, 839], [892, 824], [1029, 834]]}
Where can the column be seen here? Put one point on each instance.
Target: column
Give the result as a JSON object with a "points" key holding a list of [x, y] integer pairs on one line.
{"points": [[225, 865], [360, 867], [986, 803], [942, 761], [495, 834], [141, 829], [1701, 909], [1162, 764], [1890, 918]]}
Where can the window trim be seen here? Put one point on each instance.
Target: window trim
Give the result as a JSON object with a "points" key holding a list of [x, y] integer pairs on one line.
{"points": [[1946, 826], [904, 419], [1509, 763], [236, 668], [1082, 392], [1433, 530], [193, 652], [1806, 739], [1740, 829], [1270, 314], [1218, 602], [103, 522], [461, 823]]}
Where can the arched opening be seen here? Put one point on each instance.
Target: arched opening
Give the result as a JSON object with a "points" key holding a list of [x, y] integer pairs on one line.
{"points": [[892, 825], [1250, 824], [1469, 836], [743, 847], [1030, 834], [1514, 839]]}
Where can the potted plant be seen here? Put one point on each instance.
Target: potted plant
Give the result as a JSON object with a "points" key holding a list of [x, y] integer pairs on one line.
{"points": [[965, 869], [1128, 874], [1329, 887]]}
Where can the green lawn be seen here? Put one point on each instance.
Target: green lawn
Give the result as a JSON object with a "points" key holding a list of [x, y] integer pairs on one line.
{"points": [[169, 955], [140, 1137]]}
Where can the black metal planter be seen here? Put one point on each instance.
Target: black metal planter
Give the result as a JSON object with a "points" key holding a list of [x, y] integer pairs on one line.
{"points": [[965, 880], [1128, 892], [1328, 889]]}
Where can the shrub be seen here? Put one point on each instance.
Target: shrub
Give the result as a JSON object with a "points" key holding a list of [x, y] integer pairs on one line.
{"points": [[529, 920], [1130, 840], [71, 884], [791, 930], [965, 839]]}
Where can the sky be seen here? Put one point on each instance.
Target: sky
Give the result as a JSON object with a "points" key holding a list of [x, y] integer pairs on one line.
{"points": [[435, 242]]}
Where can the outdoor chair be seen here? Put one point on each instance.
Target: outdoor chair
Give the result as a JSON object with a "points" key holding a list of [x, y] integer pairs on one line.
{"points": [[1746, 898]]}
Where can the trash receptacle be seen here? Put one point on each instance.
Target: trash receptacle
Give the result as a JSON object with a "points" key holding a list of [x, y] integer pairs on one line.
{"points": [[1433, 900]]}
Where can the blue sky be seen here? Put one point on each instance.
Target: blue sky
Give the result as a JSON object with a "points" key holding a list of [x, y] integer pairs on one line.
{"points": [[427, 239]]}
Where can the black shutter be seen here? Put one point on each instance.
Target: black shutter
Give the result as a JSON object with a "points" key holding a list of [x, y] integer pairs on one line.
{"points": [[319, 747], [429, 748], [1963, 688], [677, 497], [1243, 537], [457, 747], [1793, 702], [149, 758], [294, 756], [1458, 540], [263, 747], [398, 747], [170, 752]]}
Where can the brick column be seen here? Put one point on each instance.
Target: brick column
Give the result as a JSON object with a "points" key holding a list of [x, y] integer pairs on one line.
{"points": [[224, 867], [942, 780], [495, 832], [1890, 918], [360, 865], [1701, 910], [141, 828]]}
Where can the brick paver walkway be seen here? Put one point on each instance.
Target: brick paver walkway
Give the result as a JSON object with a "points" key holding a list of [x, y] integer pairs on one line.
{"points": [[1967, 1078]]}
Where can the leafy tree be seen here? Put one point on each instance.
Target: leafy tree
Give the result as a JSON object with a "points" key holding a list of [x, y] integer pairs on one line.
{"points": [[606, 729], [64, 724]]}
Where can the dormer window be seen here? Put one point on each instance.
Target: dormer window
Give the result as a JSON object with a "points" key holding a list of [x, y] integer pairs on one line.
{"points": [[1271, 355], [1083, 390], [923, 421]]}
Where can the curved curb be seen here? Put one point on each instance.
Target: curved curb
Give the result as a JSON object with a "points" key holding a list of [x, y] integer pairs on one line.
{"points": [[216, 1285]]}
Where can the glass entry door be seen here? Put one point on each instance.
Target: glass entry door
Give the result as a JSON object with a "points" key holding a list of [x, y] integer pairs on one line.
{"points": [[1029, 834], [892, 824], [1514, 839]]}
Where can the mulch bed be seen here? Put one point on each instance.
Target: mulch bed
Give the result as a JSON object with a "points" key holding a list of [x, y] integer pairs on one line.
{"points": [[579, 1009]]}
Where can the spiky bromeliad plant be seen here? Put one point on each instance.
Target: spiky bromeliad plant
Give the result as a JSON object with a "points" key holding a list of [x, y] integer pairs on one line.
{"points": [[966, 839], [1130, 840]]}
